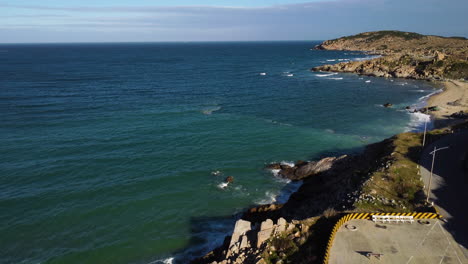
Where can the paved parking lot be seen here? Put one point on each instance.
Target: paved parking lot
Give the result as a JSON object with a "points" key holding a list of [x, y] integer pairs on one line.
{"points": [[400, 243]]}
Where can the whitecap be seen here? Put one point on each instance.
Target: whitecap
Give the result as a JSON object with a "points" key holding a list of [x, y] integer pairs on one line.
{"points": [[280, 196], [290, 75], [216, 173], [163, 261], [331, 60], [287, 163], [337, 78], [223, 185], [368, 81], [263, 73], [327, 74], [209, 111], [275, 172], [270, 198], [417, 121]]}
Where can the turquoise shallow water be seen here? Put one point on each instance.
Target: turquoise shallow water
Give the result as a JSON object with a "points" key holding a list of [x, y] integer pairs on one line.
{"points": [[108, 149]]}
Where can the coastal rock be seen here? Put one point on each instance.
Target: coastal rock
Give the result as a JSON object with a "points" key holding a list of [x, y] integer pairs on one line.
{"points": [[244, 242], [240, 229], [281, 225], [266, 229], [307, 169], [387, 105], [273, 166], [229, 179], [267, 224], [460, 114]]}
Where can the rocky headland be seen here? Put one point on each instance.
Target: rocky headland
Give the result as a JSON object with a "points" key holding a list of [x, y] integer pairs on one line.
{"points": [[404, 55]]}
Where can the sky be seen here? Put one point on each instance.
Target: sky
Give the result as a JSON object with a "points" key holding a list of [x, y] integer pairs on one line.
{"points": [[39, 21]]}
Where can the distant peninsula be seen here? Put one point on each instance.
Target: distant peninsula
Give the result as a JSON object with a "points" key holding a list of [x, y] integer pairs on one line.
{"points": [[404, 55]]}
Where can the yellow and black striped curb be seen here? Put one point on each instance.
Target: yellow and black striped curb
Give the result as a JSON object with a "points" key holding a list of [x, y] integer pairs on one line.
{"points": [[368, 216]]}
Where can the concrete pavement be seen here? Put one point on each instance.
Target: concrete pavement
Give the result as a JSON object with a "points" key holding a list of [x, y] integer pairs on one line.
{"points": [[400, 243]]}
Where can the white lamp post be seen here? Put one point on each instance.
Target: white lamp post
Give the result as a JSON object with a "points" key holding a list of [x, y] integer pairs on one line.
{"points": [[433, 153]]}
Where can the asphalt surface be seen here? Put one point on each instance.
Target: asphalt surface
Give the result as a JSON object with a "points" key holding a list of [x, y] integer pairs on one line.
{"points": [[449, 186]]}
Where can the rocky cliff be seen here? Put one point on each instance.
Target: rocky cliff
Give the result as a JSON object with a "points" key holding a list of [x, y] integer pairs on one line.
{"points": [[404, 55]]}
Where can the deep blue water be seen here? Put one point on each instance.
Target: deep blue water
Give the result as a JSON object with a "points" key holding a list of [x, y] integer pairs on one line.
{"points": [[108, 149]]}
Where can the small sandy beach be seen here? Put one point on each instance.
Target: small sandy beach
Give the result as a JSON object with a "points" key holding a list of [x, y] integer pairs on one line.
{"points": [[454, 98]]}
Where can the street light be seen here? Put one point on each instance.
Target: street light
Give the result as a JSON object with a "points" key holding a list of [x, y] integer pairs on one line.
{"points": [[425, 128], [433, 153]]}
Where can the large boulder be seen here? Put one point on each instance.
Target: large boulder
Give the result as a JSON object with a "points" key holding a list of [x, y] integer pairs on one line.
{"points": [[266, 228], [240, 229], [306, 169]]}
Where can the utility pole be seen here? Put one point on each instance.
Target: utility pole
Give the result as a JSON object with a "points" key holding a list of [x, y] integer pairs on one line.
{"points": [[433, 153], [424, 137]]}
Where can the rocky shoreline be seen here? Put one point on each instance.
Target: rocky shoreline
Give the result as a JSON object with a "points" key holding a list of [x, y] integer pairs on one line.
{"points": [[297, 231], [404, 55], [331, 183]]}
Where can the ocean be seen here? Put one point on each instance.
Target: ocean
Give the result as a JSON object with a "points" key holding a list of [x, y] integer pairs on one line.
{"points": [[116, 153]]}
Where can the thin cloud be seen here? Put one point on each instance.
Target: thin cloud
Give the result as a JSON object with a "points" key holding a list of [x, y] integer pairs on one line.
{"points": [[309, 20]]}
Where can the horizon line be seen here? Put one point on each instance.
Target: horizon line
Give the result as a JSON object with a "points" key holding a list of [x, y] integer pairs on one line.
{"points": [[148, 42]]}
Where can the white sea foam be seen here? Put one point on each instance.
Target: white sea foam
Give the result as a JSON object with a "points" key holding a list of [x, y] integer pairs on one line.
{"points": [[270, 197], [263, 73], [343, 59], [331, 60], [163, 261], [417, 121], [418, 91], [326, 74], [287, 163], [424, 98], [368, 81], [367, 58], [290, 75], [336, 78], [287, 190], [275, 172], [223, 185], [216, 173], [209, 111]]}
